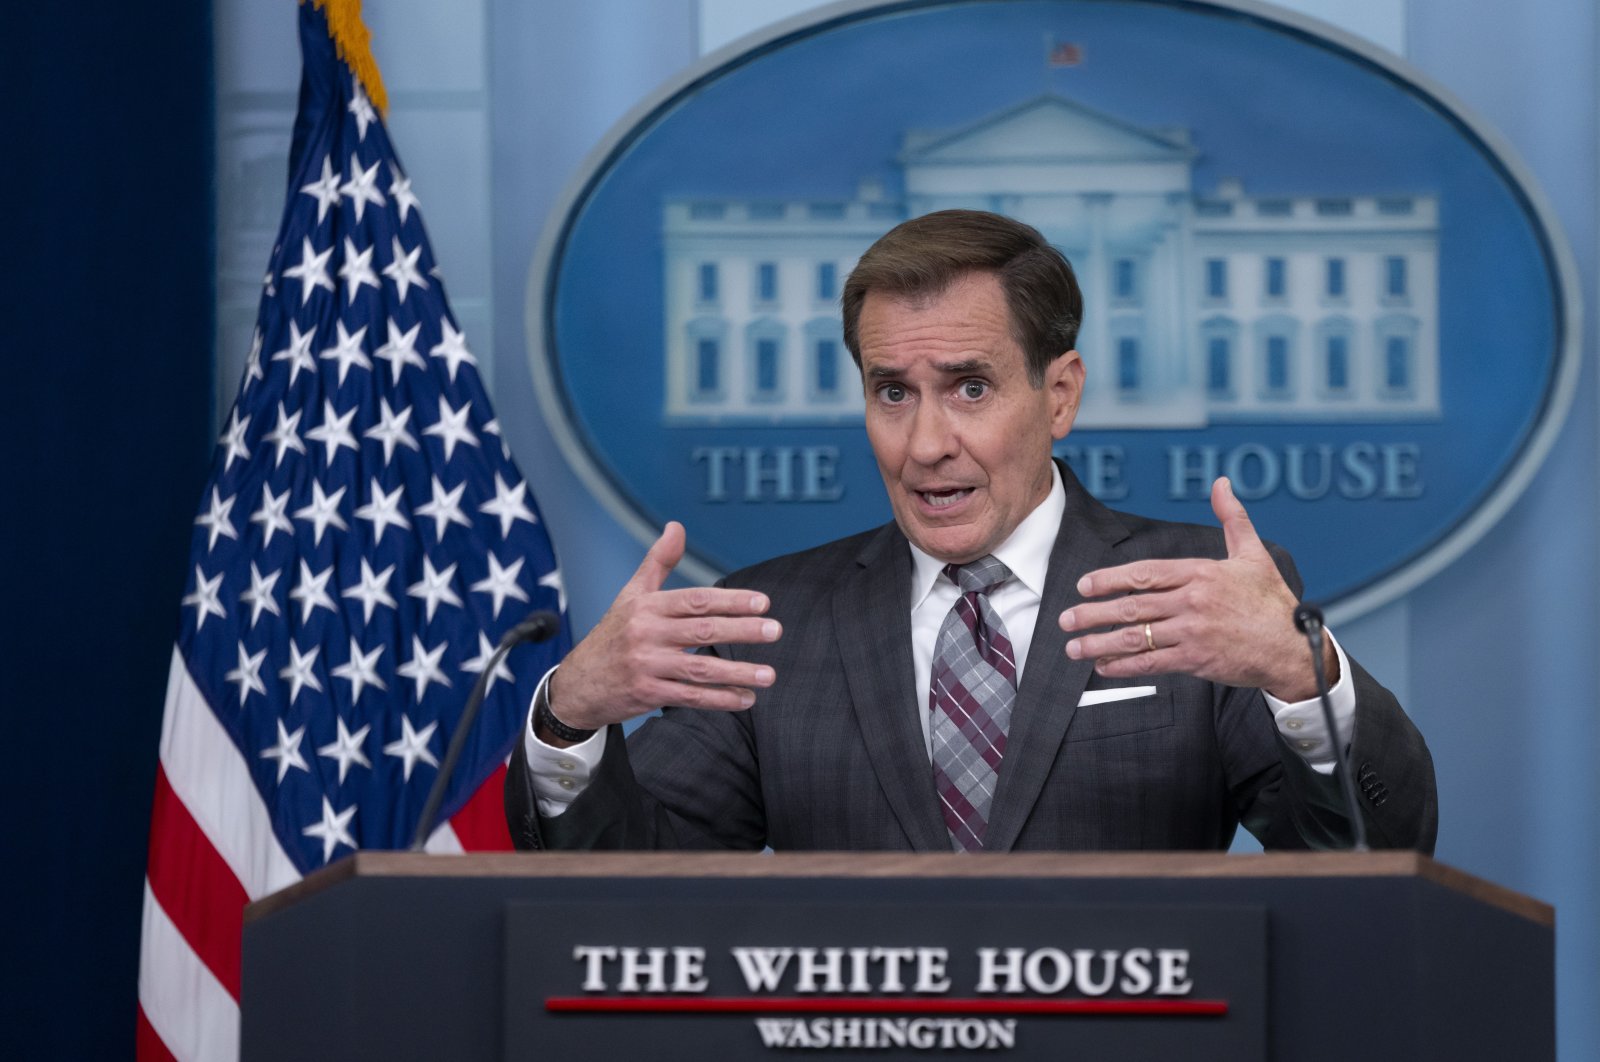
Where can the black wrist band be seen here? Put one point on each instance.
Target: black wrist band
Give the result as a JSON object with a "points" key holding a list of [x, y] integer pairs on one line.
{"points": [[546, 718]]}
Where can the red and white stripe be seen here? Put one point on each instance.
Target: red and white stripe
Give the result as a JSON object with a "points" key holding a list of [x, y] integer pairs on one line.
{"points": [[212, 850]]}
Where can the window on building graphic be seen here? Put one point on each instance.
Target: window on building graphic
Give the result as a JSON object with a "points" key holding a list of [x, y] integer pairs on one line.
{"points": [[1334, 208], [1277, 278], [707, 366], [708, 282], [1276, 366], [827, 281], [1219, 365], [1335, 278], [826, 357], [1274, 208], [766, 367], [766, 211], [1125, 279], [1128, 368], [1397, 364], [1337, 358], [1394, 277], [1216, 278], [767, 281]]}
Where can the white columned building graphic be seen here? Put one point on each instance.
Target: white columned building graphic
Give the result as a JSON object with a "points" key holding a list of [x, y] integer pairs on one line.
{"points": [[1198, 309]]}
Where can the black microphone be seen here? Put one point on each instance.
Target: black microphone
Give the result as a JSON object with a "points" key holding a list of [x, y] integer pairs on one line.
{"points": [[538, 627], [1308, 620]]}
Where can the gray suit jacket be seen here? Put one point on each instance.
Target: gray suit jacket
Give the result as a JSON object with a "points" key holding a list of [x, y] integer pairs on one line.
{"points": [[832, 756]]}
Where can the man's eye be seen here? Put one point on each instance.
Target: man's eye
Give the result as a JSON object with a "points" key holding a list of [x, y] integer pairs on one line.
{"points": [[892, 393], [974, 389]]}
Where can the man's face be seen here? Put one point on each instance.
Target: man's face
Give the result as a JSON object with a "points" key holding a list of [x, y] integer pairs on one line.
{"points": [[961, 437]]}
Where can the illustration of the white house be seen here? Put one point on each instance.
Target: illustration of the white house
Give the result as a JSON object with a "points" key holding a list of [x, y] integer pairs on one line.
{"points": [[1197, 308]]}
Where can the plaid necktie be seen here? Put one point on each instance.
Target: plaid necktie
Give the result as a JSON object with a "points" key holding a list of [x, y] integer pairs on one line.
{"points": [[974, 684]]}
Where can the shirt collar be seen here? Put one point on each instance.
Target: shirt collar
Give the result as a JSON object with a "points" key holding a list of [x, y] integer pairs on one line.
{"points": [[1026, 551]]}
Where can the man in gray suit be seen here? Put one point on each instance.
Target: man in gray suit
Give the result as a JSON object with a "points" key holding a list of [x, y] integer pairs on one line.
{"points": [[1008, 665]]}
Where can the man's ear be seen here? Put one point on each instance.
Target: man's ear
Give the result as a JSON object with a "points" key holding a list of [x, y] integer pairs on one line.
{"points": [[1063, 379]]}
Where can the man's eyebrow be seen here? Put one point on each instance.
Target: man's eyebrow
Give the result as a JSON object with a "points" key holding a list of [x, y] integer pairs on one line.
{"points": [[949, 368]]}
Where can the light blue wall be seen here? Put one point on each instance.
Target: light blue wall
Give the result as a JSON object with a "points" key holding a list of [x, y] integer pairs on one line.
{"points": [[1495, 657]]}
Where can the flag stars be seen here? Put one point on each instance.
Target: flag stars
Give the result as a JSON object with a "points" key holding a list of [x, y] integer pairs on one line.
{"points": [[287, 751], [403, 269], [325, 189], [323, 512], [346, 749], [391, 430], [271, 514], [445, 508], [260, 596], [216, 519], [383, 510], [312, 272], [361, 670], [412, 745], [451, 427], [206, 599], [508, 505], [312, 591], [233, 439], [362, 187], [248, 673], [501, 583], [285, 435], [252, 361], [347, 351], [434, 587], [400, 191], [401, 350], [333, 830], [334, 431], [372, 590], [301, 672], [356, 270], [552, 580], [298, 352], [362, 108], [452, 347], [423, 667], [486, 651]]}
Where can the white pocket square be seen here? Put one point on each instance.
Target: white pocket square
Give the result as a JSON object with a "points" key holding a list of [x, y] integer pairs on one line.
{"points": [[1116, 693]]}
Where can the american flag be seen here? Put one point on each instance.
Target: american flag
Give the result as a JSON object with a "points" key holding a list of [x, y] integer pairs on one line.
{"points": [[364, 541]]}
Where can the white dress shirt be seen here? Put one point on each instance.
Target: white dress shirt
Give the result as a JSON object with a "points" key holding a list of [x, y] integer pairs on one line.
{"points": [[559, 775]]}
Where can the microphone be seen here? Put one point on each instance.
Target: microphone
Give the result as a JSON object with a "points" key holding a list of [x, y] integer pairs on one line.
{"points": [[1308, 620], [537, 627]]}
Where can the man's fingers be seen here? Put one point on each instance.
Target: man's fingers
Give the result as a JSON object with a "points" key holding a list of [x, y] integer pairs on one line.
{"points": [[710, 601], [1132, 609], [663, 556], [697, 631], [1139, 577], [1237, 529]]}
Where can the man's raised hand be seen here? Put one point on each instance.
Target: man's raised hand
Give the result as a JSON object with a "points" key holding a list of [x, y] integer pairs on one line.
{"points": [[637, 660], [1229, 621]]}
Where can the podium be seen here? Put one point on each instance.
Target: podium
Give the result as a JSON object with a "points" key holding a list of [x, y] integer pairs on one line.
{"points": [[1289, 956]]}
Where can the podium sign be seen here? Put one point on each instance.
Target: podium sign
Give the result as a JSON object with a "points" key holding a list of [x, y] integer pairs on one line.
{"points": [[1038, 981], [1315, 957]]}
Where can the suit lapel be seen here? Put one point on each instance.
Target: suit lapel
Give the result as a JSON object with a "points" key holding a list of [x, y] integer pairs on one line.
{"points": [[872, 619], [1052, 683]]}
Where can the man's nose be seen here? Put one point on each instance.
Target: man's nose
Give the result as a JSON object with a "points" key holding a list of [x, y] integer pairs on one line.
{"points": [[933, 437]]}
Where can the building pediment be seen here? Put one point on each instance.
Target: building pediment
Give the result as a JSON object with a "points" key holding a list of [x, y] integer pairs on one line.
{"points": [[1046, 129]]}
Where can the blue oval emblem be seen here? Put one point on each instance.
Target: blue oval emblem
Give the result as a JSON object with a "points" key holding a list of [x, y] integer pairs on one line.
{"points": [[1304, 267]]}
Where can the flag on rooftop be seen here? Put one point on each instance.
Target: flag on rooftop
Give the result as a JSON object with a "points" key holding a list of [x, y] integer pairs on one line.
{"points": [[363, 542]]}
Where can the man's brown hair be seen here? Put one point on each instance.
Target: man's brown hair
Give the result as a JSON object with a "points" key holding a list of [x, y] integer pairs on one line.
{"points": [[922, 257]]}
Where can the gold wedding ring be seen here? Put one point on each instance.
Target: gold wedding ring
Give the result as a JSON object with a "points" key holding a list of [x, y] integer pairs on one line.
{"points": [[1149, 639]]}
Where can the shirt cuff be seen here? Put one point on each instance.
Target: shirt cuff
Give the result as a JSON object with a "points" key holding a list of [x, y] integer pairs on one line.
{"points": [[1301, 722], [558, 775]]}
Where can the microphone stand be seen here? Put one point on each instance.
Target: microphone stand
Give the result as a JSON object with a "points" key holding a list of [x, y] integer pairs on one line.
{"points": [[1308, 618], [538, 627]]}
